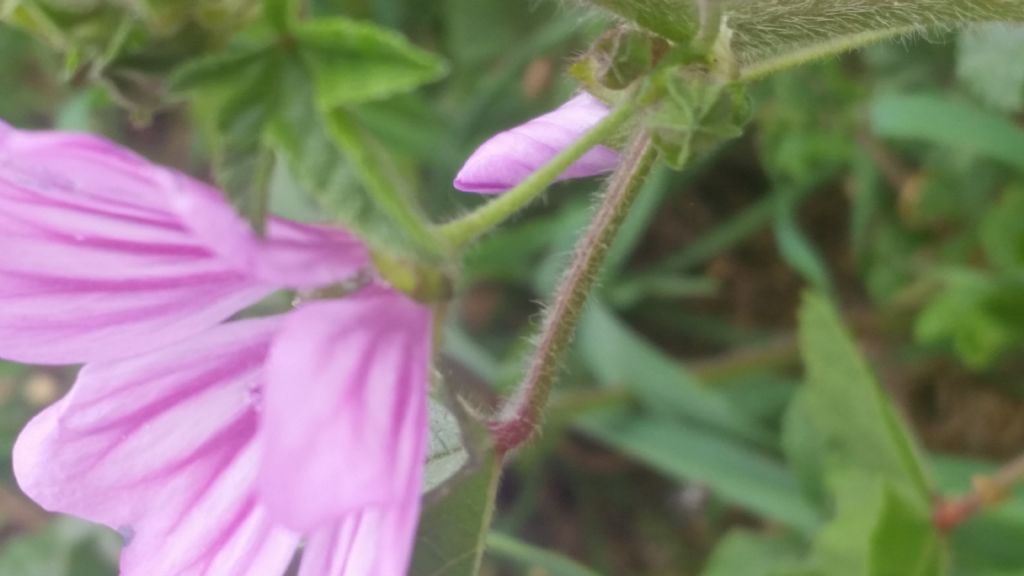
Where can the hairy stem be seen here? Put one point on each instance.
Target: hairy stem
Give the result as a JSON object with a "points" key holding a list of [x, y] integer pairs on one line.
{"points": [[519, 418], [469, 227]]}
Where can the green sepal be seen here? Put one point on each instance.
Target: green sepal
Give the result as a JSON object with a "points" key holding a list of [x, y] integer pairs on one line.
{"points": [[699, 112], [623, 55], [423, 283]]}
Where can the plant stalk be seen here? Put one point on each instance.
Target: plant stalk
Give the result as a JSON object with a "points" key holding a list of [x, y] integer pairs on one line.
{"points": [[988, 491], [520, 417]]}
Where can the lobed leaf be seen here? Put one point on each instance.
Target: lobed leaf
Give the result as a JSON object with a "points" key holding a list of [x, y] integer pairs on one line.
{"points": [[353, 62]]}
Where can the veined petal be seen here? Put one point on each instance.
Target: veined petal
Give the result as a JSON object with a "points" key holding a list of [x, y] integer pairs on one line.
{"points": [[94, 264], [161, 448], [345, 425], [509, 157], [377, 541], [292, 255], [80, 169]]}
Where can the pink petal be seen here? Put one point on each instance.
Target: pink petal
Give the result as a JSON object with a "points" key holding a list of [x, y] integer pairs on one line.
{"points": [[93, 263], [509, 157], [345, 424], [161, 448], [375, 542], [81, 169], [292, 255]]}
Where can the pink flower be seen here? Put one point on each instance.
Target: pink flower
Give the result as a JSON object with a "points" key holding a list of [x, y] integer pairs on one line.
{"points": [[510, 156], [215, 446]]}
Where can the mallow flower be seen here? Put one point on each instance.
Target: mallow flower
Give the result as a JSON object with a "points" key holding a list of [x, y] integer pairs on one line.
{"points": [[508, 157], [216, 446]]}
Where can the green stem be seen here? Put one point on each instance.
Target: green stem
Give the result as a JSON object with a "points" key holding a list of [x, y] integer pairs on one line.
{"points": [[469, 227], [520, 416]]}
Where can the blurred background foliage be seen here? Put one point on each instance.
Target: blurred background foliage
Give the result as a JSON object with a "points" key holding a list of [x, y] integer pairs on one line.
{"points": [[707, 422]]}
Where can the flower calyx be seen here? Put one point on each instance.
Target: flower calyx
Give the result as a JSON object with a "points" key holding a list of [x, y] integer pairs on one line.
{"points": [[698, 111], [424, 283]]}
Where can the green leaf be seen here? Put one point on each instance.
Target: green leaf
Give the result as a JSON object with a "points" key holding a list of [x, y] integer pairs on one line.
{"points": [[218, 69], [798, 251], [738, 228], [243, 162], [804, 447], [446, 454], [963, 314], [804, 121], [868, 191], [281, 14], [222, 88], [988, 62], [324, 172], [905, 541], [743, 553], [673, 19], [850, 411], [948, 122], [1002, 232], [876, 531], [532, 558], [382, 179], [635, 288], [619, 357], [480, 31], [737, 474], [411, 124], [356, 62], [452, 529]]}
